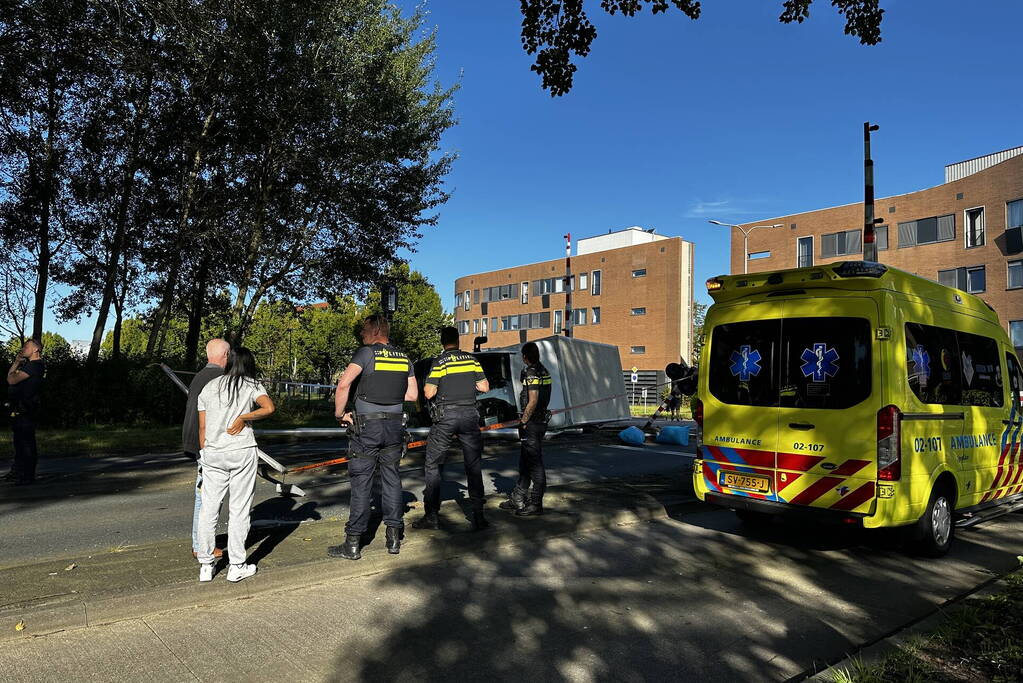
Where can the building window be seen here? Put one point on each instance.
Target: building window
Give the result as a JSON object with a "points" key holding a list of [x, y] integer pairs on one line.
{"points": [[584, 282], [595, 285], [526, 321], [524, 293], [1014, 227], [475, 325], [551, 285], [502, 293], [637, 349], [483, 327], [1016, 332], [578, 316], [639, 311], [475, 296], [927, 231], [468, 301], [1015, 274], [804, 252], [458, 300], [463, 327], [758, 255], [881, 237], [493, 324], [841, 243], [972, 280], [639, 272], [558, 317], [974, 228], [596, 315]]}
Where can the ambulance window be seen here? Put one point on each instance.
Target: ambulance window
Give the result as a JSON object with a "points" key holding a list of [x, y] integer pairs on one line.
{"points": [[932, 367], [1015, 379], [981, 370], [825, 362], [743, 370]]}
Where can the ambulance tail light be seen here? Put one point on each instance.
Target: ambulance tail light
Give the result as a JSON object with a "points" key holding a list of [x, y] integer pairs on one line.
{"points": [[698, 412], [889, 444]]}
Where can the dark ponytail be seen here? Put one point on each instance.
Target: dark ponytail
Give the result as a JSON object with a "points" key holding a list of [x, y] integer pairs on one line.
{"points": [[241, 366]]}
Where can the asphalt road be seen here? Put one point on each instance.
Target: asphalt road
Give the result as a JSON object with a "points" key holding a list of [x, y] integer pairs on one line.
{"points": [[85, 505], [691, 597]]}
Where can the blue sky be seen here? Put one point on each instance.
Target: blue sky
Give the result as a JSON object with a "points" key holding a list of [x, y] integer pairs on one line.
{"points": [[734, 117]]}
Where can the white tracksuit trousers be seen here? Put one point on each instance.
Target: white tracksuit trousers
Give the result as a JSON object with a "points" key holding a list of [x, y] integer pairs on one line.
{"points": [[224, 471]]}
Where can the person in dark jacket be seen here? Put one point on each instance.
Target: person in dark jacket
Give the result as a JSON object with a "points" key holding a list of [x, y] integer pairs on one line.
{"points": [[376, 432], [454, 380], [25, 379], [217, 351]]}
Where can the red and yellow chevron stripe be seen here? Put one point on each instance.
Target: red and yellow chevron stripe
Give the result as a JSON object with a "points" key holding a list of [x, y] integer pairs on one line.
{"points": [[797, 479]]}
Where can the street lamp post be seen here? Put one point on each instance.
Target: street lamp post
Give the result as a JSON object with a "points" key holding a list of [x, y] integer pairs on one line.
{"points": [[745, 239]]}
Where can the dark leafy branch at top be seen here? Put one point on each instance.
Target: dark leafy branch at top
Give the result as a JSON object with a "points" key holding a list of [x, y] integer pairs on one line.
{"points": [[554, 30]]}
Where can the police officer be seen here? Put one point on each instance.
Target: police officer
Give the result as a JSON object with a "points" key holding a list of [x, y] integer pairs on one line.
{"points": [[376, 432], [25, 378], [454, 379], [534, 399]]}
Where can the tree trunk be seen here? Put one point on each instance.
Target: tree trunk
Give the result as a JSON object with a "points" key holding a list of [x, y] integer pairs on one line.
{"points": [[167, 300], [195, 314], [118, 318], [121, 217], [49, 170]]}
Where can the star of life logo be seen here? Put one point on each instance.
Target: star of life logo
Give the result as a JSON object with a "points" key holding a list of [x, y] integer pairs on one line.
{"points": [[819, 362], [745, 363]]}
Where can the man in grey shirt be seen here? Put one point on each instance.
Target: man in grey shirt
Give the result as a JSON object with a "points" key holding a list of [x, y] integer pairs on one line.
{"points": [[217, 351]]}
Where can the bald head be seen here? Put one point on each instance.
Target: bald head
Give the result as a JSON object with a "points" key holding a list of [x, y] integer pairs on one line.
{"points": [[217, 351]]}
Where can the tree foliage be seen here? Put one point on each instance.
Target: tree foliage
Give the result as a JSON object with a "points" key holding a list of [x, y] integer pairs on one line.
{"points": [[198, 158], [554, 30]]}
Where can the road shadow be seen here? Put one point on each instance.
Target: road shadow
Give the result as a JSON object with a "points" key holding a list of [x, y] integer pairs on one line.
{"points": [[273, 520], [706, 599]]}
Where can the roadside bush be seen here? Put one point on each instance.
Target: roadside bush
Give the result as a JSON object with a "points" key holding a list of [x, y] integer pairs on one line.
{"points": [[115, 392]]}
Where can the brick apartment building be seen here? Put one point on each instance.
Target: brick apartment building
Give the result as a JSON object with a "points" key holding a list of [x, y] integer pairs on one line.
{"points": [[631, 288], [965, 233]]}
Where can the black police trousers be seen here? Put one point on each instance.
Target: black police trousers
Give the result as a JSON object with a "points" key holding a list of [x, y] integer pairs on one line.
{"points": [[375, 449], [26, 456], [461, 422], [531, 469]]}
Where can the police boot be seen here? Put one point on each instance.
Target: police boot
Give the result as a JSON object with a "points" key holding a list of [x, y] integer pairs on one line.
{"points": [[530, 509], [478, 521], [427, 521], [393, 540], [517, 500], [348, 550]]}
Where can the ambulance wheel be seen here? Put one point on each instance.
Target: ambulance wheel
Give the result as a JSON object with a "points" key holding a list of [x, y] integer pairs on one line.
{"points": [[936, 528], [754, 519]]}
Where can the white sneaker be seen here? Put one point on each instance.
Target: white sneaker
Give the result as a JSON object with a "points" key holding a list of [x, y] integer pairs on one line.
{"points": [[205, 572], [237, 572]]}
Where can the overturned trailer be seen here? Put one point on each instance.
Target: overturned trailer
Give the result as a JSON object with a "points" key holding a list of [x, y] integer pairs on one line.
{"points": [[586, 378]]}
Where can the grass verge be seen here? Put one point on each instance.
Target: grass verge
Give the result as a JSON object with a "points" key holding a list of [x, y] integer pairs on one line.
{"points": [[980, 641]]}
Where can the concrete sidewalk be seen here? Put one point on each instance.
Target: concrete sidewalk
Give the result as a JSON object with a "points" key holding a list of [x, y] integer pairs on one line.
{"points": [[124, 583]]}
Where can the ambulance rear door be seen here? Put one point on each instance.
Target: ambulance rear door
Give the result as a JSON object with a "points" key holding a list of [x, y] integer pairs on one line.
{"points": [[830, 391]]}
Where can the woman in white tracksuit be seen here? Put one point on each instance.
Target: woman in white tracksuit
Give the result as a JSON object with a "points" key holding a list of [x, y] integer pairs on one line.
{"points": [[228, 458]]}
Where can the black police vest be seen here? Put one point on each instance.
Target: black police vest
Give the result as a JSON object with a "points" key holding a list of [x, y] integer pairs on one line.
{"points": [[386, 380], [457, 383]]}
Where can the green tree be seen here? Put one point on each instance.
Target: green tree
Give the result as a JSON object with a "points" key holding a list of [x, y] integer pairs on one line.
{"points": [[699, 314], [415, 327], [328, 338], [555, 29], [335, 162]]}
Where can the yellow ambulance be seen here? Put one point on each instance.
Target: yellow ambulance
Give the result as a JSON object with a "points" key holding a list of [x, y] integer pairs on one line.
{"points": [[860, 392]]}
